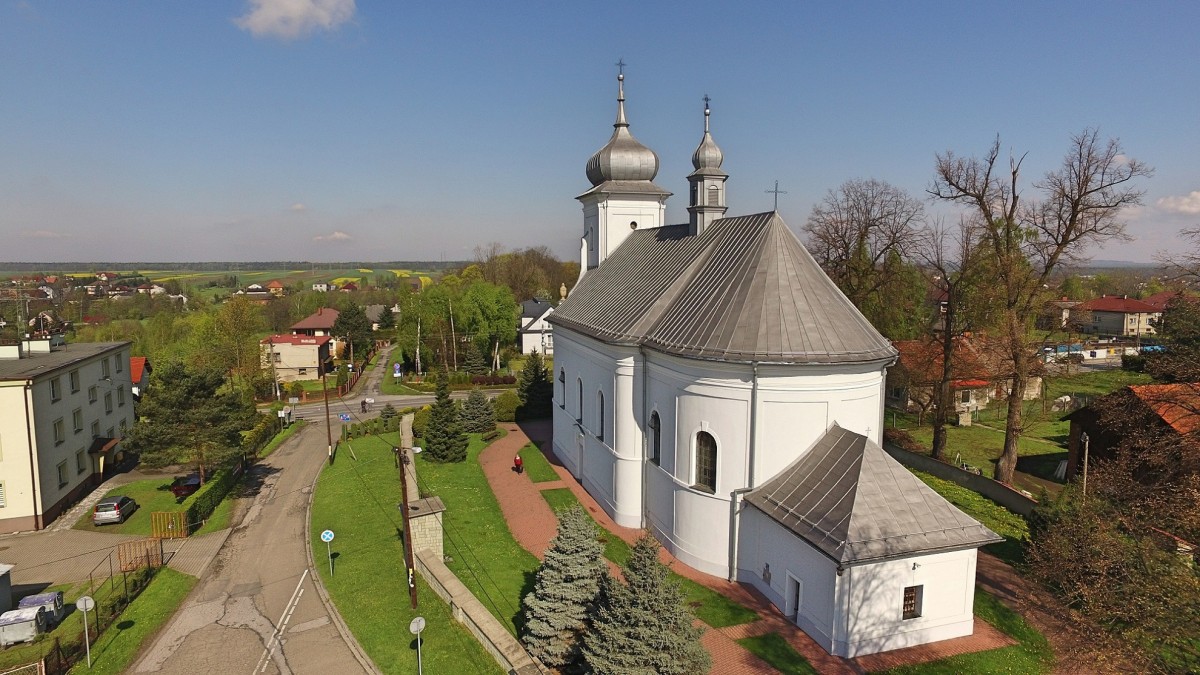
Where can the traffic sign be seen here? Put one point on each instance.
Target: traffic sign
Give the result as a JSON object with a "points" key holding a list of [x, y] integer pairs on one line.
{"points": [[327, 536], [416, 625], [345, 417], [85, 603]]}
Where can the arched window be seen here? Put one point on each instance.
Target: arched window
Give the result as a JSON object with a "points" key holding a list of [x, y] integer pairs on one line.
{"points": [[706, 462], [579, 417], [562, 388], [600, 415], [655, 438]]}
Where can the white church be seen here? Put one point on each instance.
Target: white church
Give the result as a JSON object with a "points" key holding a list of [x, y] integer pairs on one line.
{"points": [[713, 386]]}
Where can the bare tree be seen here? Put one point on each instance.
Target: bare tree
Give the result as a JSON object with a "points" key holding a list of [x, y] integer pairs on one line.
{"points": [[854, 230], [1081, 204], [1184, 263]]}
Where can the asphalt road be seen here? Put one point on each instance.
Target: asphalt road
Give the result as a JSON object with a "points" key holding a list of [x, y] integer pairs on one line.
{"points": [[256, 610]]}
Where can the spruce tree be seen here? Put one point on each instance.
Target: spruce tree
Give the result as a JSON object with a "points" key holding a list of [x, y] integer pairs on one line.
{"points": [[643, 625], [474, 362], [534, 388], [444, 437], [477, 415], [567, 582]]}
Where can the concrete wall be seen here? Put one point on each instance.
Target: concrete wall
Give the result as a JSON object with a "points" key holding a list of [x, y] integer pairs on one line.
{"points": [[468, 611], [998, 492]]}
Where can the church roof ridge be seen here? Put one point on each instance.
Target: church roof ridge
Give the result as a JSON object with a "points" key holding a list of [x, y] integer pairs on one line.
{"points": [[855, 503]]}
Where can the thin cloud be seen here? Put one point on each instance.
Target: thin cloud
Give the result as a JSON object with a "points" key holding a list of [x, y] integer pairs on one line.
{"points": [[294, 19], [298, 206], [1188, 204], [336, 235], [44, 234]]}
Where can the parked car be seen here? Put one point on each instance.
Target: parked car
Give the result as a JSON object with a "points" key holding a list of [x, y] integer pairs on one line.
{"points": [[185, 485], [113, 510]]}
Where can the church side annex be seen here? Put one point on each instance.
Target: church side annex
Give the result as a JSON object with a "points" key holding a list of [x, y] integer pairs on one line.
{"points": [[713, 386]]}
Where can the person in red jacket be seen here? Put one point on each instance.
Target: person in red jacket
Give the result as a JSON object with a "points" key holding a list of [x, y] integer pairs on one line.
{"points": [[518, 465]]}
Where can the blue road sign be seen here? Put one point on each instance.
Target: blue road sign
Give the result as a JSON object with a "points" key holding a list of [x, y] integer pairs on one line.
{"points": [[345, 417], [327, 536]]}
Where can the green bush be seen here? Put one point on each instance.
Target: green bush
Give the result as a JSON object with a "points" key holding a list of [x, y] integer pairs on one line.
{"points": [[420, 421], [506, 405]]}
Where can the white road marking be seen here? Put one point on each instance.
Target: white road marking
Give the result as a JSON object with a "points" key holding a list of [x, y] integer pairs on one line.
{"points": [[281, 625]]}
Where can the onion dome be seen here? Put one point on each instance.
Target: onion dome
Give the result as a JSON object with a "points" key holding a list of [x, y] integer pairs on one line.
{"points": [[623, 158], [708, 155]]}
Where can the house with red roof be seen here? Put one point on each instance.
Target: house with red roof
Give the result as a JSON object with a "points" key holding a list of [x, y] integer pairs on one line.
{"points": [[1118, 315], [1151, 413], [139, 374], [318, 323], [276, 288], [297, 357]]}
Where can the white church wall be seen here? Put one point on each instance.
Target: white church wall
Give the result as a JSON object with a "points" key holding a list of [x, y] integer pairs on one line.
{"points": [[610, 220], [873, 614], [778, 563]]}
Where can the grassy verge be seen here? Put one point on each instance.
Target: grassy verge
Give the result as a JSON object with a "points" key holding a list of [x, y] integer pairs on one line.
{"points": [[1031, 655], [776, 651], [221, 517], [709, 606], [357, 500], [116, 649], [485, 557], [151, 494], [281, 437], [1000, 520], [536, 465]]}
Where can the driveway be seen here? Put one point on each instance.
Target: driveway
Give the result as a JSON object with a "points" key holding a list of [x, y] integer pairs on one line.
{"points": [[256, 609]]}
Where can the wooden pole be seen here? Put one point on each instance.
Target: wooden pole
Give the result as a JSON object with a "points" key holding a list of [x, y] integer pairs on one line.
{"points": [[409, 562]]}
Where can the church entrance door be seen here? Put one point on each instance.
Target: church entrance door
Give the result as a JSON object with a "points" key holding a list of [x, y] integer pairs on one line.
{"points": [[793, 599]]}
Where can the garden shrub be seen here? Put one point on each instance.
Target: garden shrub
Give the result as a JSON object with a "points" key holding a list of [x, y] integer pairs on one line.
{"points": [[506, 405]]}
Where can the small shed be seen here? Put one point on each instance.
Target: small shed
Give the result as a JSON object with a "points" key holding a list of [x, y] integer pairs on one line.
{"points": [[5, 587], [22, 625], [52, 602]]}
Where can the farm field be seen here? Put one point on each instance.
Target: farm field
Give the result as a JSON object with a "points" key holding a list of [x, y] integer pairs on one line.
{"points": [[246, 276]]}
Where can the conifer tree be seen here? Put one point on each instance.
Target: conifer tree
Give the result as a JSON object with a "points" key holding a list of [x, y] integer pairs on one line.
{"points": [[534, 388], [643, 625], [444, 437], [474, 362], [567, 582], [477, 415]]}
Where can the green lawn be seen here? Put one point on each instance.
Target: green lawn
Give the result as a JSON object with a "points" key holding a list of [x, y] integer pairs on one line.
{"points": [[709, 606], [776, 651], [485, 557], [1013, 527], [357, 500], [116, 649], [536, 465], [151, 494], [1031, 655]]}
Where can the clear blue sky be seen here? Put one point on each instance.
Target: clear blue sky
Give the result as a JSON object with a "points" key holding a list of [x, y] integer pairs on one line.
{"points": [[245, 130]]}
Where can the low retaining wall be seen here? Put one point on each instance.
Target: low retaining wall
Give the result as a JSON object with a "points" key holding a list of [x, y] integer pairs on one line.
{"points": [[998, 492], [468, 611]]}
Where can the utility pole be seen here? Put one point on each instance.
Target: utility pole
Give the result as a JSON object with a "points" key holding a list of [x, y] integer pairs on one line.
{"points": [[409, 562], [274, 377], [328, 424]]}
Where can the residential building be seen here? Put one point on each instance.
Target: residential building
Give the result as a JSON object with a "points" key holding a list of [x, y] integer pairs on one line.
{"points": [[320, 323], [276, 288], [714, 386], [535, 333], [1118, 316], [63, 412], [139, 375], [321, 287], [1170, 411], [1059, 315], [296, 357]]}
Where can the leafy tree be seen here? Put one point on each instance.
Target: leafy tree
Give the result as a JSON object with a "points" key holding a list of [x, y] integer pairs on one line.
{"points": [[643, 625], [1081, 204], [239, 324], [1179, 329], [506, 405], [477, 415], [353, 323], [188, 417], [444, 437], [567, 582], [535, 388]]}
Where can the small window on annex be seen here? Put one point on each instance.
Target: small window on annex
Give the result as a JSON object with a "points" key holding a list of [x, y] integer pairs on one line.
{"points": [[912, 602], [562, 388], [600, 415], [655, 438], [706, 462], [579, 417]]}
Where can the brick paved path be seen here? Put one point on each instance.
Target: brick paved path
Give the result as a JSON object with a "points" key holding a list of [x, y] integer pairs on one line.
{"points": [[533, 525]]}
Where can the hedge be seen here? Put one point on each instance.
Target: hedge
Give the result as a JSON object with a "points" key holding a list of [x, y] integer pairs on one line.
{"points": [[211, 493]]}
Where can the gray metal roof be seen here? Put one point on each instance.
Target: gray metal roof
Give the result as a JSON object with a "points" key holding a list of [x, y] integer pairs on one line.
{"points": [[59, 358], [743, 290], [851, 500], [623, 158], [708, 156]]}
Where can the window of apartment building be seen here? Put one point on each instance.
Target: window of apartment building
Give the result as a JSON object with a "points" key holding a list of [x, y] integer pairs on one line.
{"points": [[3, 496], [108, 402], [119, 359], [74, 378], [93, 394], [278, 357], [912, 602], [121, 396], [62, 473], [60, 431], [965, 395], [302, 371], [77, 420], [55, 389], [104, 371], [111, 433], [96, 429], [80, 461], [124, 426]]}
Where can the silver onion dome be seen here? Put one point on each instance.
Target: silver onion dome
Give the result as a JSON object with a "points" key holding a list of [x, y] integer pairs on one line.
{"points": [[623, 158], [708, 155]]}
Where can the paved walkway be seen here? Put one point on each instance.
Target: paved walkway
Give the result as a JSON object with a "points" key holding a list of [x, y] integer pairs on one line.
{"points": [[533, 525]]}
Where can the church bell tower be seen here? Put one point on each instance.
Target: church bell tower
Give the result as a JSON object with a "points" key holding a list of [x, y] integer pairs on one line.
{"points": [[708, 181]]}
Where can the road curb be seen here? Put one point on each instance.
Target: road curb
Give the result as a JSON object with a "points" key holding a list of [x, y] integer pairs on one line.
{"points": [[356, 649]]}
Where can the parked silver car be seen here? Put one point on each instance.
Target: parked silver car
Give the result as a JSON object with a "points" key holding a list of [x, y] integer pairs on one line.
{"points": [[113, 510]]}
